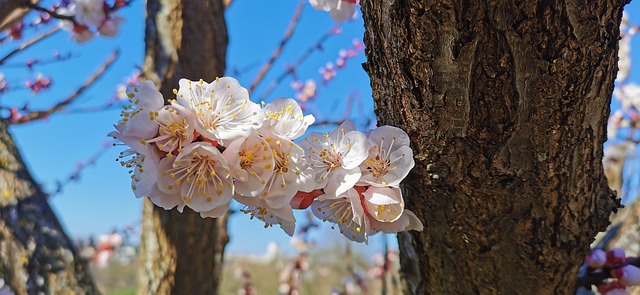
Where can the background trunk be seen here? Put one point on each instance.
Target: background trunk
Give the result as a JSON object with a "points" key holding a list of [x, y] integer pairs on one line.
{"points": [[36, 256], [182, 253], [506, 103]]}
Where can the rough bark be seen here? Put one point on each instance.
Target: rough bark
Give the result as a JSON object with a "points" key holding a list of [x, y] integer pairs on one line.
{"points": [[36, 256], [506, 103], [181, 252]]}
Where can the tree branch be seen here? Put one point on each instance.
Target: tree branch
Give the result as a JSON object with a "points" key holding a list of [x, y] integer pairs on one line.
{"points": [[52, 13], [290, 69], [28, 44], [62, 104], [292, 25]]}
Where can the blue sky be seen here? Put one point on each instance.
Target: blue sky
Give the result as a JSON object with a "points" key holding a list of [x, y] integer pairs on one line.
{"points": [[102, 199]]}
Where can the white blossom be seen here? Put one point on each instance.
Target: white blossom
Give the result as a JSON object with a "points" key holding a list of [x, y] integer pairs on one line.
{"points": [[251, 163], [79, 33], [222, 108], [175, 128], [90, 12], [142, 159], [340, 10], [199, 175], [137, 118], [110, 26], [284, 117], [361, 212], [290, 172], [390, 157], [335, 157]]}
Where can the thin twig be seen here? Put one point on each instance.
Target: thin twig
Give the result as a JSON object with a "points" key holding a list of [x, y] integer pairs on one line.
{"points": [[290, 69], [41, 62], [75, 175], [35, 115], [28, 44], [292, 25], [52, 13]]}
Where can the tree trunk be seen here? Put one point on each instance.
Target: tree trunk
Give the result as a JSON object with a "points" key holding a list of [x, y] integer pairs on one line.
{"points": [[506, 103], [36, 256], [181, 252]]}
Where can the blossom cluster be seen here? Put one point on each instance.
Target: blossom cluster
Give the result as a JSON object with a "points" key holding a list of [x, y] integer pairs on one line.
{"points": [[340, 10], [91, 17], [212, 144], [623, 273]]}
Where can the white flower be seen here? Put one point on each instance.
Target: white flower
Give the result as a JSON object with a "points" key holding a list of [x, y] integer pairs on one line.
{"points": [[142, 160], [175, 128], [361, 212], [110, 26], [199, 174], [283, 117], [340, 10], [259, 208], [290, 173], [390, 157], [90, 12], [335, 157], [79, 33], [251, 163], [137, 119], [223, 109]]}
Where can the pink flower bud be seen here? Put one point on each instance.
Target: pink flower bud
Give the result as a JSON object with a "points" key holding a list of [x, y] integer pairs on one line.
{"points": [[596, 259], [628, 275], [615, 256]]}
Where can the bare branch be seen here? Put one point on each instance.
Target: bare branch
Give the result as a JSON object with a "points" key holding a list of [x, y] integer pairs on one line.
{"points": [[35, 115], [52, 13], [292, 25], [28, 44], [290, 69]]}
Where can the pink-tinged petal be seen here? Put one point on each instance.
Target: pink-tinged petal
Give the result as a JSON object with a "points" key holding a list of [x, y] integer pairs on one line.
{"points": [[391, 134], [147, 95], [401, 162], [343, 12], [251, 163], [407, 221], [340, 180], [414, 222], [164, 200], [216, 212], [140, 126], [166, 181]]}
